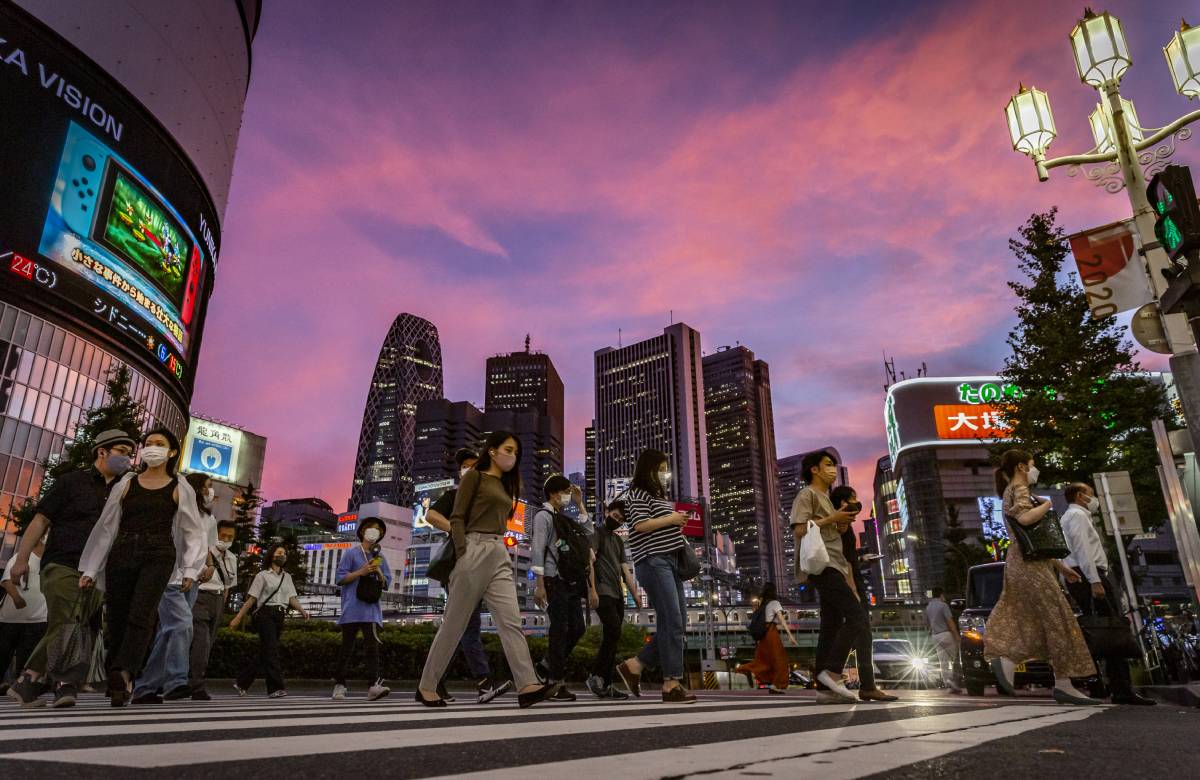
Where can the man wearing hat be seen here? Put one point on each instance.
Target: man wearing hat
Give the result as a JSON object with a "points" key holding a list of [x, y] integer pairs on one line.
{"points": [[68, 511], [364, 575]]}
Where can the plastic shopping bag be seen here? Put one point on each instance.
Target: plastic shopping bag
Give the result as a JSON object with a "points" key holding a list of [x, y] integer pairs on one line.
{"points": [[813, 555]]}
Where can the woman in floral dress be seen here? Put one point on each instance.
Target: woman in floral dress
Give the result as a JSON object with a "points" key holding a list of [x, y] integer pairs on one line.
{"points": [[1033, 621]]}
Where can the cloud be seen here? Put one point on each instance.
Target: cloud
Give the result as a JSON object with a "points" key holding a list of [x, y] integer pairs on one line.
{"points": [[571, 171]]}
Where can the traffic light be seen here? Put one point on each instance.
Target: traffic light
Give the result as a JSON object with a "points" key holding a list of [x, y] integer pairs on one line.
{"points": [[1177, 216]]}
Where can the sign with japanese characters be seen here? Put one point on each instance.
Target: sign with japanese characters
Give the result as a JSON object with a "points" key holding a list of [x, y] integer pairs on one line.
{"points": [[213, 449], [963, 421], [945, 411], [105, 225]]}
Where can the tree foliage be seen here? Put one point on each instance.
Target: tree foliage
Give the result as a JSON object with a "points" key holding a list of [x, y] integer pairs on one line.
{"points": [[1085, 405], [119, 410]]}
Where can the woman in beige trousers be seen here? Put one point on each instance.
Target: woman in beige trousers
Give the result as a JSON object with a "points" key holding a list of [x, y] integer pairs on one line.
{"points": [[485, 502]]}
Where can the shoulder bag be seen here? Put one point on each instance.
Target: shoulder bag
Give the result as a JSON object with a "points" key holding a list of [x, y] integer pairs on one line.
{"points": [[1041, 541], [441, 566]]}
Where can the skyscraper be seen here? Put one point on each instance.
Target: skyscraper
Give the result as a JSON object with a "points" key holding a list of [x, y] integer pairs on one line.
{"points": [[408, 371], [524, 395], [651, 395], [442, 429], [743, 484], [589, 467]]}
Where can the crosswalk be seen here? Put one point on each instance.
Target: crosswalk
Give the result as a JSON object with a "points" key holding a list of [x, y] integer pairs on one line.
{"points": [[724, 735]]}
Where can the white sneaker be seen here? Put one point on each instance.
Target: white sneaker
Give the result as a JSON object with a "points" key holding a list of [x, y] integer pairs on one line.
{"points": [[339, 693], [240, 691], [837, 687], [280, 694], [377, 691]]}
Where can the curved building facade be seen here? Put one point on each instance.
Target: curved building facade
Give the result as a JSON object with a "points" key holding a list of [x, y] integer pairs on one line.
{"points": [[121, 121], [408, 371]]}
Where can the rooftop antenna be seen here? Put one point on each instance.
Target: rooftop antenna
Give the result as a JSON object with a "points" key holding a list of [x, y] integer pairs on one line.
{"points": [[526, 343], [889, 371], [672, 316], [619, 345]]}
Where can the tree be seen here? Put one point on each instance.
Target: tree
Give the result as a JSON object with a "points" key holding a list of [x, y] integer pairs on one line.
{"points": [[961, 554], [119, 411], [246, 540], [1084, 406]]}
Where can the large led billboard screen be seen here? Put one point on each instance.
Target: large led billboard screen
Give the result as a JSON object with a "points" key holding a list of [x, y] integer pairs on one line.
{"points": [[944, 411], [104, 223]]}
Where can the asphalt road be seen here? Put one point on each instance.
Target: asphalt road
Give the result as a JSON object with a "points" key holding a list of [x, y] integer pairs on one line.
{"points": [[724, 736]]}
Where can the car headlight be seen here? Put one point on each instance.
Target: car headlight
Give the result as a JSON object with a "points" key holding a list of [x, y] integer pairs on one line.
{"points": [[974, 623], [918, 663]]}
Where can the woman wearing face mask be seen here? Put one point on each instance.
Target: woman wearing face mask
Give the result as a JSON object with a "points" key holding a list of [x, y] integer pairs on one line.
{"points": [[1032, 620], [363, 574], [656, 540], [165, 676], [150, 529], [484, 504], [271, 593]]}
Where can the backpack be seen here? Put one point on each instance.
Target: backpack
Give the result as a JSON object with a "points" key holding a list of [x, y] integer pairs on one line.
{"points": [[758, 624], [572, 551]]}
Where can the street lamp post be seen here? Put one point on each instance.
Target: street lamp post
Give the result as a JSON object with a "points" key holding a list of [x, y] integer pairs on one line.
{"points": [[1123, 147]]}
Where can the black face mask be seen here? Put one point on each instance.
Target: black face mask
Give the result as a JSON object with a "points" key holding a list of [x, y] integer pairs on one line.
{"points": [[611, 524], [280, 562]]}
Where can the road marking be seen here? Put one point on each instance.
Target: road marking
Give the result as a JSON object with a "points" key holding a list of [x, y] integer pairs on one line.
{"points": [[201, 721], [844, 752], [202, 752]]}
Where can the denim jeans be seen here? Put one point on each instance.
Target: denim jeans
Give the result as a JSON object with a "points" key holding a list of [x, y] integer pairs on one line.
{"points": [[659, 576], [170, 660]]}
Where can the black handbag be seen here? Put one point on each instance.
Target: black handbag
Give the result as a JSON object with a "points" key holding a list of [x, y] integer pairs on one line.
{"points": [[441, 566], [1041, 541], [1109, 637], [689, 564]]}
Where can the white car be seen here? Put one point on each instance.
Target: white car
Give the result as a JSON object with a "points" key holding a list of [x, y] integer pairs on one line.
{"points": [[897, 662]]}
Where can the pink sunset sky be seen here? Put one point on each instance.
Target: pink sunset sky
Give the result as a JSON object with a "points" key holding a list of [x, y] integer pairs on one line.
{"points": [[824, 183]]}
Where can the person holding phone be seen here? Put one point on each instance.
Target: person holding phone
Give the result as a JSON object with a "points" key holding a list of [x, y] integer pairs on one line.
{"points": [[843, 618], [361, 611], [846, 500], [656, 540]]}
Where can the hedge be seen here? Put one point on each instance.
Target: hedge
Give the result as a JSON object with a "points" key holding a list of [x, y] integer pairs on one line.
{"points": [[310, 651]]}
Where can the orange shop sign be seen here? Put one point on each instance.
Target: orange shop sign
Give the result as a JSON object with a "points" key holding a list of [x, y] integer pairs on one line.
{"points": [[973, 421]]}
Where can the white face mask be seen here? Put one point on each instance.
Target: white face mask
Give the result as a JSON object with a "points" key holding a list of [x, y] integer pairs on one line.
{"points": [[1093, 504], [222, 546], [564, 500], [210, 495], [1033, 475], [371, 535], [154, 456], [664, 477]]}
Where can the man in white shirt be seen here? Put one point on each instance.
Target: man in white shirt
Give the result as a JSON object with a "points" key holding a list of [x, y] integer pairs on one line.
{"points": [[23, 613], [1096, 592], [210, 607]]}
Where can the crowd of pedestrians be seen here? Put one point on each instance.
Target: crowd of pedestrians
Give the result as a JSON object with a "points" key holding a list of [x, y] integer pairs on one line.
{"points": [[138, 552]]}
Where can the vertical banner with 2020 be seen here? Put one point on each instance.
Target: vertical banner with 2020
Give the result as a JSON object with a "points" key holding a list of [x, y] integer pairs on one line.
{"points": [[1111, 269]]}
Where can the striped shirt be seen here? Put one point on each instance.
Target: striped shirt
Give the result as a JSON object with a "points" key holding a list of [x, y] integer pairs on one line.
{"points": [[640, 506]]}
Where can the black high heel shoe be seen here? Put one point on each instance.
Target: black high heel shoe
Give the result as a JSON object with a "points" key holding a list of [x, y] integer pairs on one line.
{"points": [[438, 702], [525, 700]]}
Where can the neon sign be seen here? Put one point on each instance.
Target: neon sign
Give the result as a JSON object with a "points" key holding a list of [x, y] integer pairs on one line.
{"points": [[987, 393]]}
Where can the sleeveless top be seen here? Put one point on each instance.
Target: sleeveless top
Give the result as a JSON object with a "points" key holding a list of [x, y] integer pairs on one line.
{"points": [[146, 511]]}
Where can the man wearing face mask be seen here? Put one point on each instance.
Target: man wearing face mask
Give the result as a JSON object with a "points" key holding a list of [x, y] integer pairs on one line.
{"points": [[1097, 591], [563, 581], [611, 568], [210, 607], [68, 511], [363, 574]]}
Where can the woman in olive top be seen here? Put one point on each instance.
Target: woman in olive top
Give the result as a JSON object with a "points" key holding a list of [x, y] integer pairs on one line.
{"points": [[486, 500]]}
